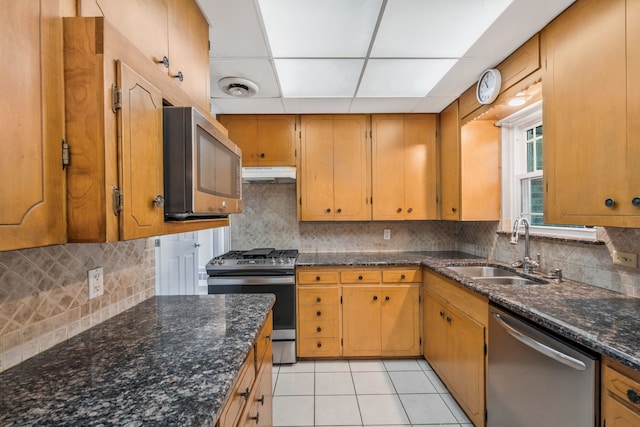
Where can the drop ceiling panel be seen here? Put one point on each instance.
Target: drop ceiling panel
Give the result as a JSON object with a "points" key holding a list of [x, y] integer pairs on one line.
{"points": [[259, 71], [402, 77], [235, 29], [383, 105], [319, 28], [318, 78], [433, 28]]}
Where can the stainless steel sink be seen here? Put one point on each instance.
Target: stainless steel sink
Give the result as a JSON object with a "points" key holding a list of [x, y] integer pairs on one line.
{"points": [[509, 281], [494, 275], [475, 271]]}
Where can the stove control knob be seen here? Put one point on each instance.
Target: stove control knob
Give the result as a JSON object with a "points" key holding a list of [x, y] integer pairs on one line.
{"points": [[280, 260], [221, 261], [273, 260]]}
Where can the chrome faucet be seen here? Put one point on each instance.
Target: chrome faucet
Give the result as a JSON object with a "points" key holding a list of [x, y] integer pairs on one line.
{"points": [[527, 263]]}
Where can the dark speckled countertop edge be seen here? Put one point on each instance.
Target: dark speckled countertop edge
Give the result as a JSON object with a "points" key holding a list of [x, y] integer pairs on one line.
{"points": [[601, 320]]}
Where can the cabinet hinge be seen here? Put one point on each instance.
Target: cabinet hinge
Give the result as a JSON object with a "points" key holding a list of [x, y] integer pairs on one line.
{"points": [[340, 299], [419, 299], [486, 416], [485, 349], [116, 98], [300, 201], [341, 342], [65, 154], [295, 153], [118, 200], [300, 134], [420, 340]]}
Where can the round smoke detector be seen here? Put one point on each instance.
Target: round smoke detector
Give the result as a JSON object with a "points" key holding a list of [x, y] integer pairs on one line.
{"points": [[238, 87]]}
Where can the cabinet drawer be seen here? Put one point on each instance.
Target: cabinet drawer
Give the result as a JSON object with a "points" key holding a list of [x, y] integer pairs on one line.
{"points": [[360, 276], [314, 277], [622, 386], [413, 275], [239, 394], [320, 312], [475, 306], [319, 347], [319, 329], [314, 297]]}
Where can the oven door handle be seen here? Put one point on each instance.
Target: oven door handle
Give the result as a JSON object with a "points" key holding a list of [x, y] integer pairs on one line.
{"points": [[539, 347], [252, 280]]}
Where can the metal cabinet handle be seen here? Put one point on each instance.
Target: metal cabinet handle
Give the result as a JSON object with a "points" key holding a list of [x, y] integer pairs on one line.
{"points": [[318, 313], [387, 298], [245, 394], [319, 329], [359, 277], [318, 299], [375, 298], [339, 210], [539, 347], [442, 314], [164, 61], [319, 345], [399, 210], [453, 209], [633, 396], [261, 400], [410, 210], [262, 155], [402, 276], [179, 76], [609, 203], [317, 278], [328, 210], [158, 201], [448, 319], [636, 202], [257, 418]]}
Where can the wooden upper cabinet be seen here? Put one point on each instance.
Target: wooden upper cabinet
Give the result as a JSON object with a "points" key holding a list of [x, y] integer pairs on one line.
{"points": [[171, 29], [334, 168], [404, 166], [592, 153], [33, 180], [450, 162], [265, 140]]}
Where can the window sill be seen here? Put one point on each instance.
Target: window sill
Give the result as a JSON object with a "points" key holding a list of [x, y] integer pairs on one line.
{"points": [[556, 239]]}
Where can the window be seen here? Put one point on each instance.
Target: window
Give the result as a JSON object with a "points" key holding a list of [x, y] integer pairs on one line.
{"points": [[522, 136]]}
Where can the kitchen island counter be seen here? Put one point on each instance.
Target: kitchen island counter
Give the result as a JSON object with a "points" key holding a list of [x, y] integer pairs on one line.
{"points": [[604, 321], [170, 360]]}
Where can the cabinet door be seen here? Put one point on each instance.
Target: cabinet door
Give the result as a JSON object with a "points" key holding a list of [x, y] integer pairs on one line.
{"points": [[388, 167], [243, 131], [633, 108], [435, 334], [316, 180], [188, 34], [615, 414], [140, 156], [350, 168], [420, 167], [276, 145], [33, 183], [400, 320], [450, 163], [466, 373], [128, 17], [361, 320], [585, 148]]}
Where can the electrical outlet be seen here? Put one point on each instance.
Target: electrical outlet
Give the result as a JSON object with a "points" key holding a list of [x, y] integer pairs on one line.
{"points": [[626, 259], [387, 234], [95, 278]]}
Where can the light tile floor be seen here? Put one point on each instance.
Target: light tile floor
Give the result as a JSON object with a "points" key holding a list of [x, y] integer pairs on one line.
{"points": [[362, 393]]}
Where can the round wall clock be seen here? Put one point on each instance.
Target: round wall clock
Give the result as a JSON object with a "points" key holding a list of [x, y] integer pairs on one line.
{"points": [[488, 86]]}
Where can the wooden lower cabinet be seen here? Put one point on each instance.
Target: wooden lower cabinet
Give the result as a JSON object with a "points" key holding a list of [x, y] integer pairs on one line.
{"points": [[455, 325], [250, 402], [359, 312], [620, 395]]}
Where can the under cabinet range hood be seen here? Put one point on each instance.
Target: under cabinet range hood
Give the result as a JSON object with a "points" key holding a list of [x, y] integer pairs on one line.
{"points": [[269, 175]]}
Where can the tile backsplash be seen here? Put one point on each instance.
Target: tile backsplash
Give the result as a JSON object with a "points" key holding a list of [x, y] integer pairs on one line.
{"points": [[269, 220], [44, 297]]}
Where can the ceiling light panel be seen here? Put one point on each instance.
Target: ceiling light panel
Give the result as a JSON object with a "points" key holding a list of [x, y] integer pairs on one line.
{"points": [[319, 28], [433, 28], [321, 78], [239, 33], [402, 77]]}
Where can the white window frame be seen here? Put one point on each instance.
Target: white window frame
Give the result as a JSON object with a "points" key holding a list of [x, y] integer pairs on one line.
{"points": [[514, 155]]}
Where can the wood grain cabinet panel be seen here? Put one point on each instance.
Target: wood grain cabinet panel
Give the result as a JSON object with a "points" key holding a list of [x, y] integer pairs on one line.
{"points": [[591, 154], [265, 139], [31, 170], [620, 395], [404, 166], [334, 168]]}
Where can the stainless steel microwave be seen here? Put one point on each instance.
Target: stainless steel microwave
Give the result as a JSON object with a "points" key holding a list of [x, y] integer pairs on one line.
{"points": [[202, 167]]}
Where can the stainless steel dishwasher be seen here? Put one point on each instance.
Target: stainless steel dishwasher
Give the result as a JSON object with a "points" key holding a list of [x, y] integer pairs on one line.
{"points": [[535, 379]]}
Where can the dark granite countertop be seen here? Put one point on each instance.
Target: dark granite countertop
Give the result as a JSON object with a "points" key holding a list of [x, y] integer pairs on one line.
{"points": [[167, 361], [604, 321]]}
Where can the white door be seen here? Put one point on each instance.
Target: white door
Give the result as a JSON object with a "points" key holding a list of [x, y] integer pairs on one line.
{"points": [[177, 264]]}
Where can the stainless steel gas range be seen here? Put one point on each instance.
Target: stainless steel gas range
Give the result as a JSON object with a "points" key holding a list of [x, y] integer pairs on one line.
{"points": [[262, 270]]}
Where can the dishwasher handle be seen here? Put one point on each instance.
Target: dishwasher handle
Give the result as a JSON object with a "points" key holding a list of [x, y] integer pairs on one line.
{"points": [[539, 347]]}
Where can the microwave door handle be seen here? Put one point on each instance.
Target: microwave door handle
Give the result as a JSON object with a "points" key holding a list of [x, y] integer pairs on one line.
{"points": [[539, 347]]}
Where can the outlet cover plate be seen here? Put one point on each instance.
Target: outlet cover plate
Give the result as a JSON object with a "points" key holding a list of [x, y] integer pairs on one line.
{"points": [[386, 234], [626, 259], [95, 278]]}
